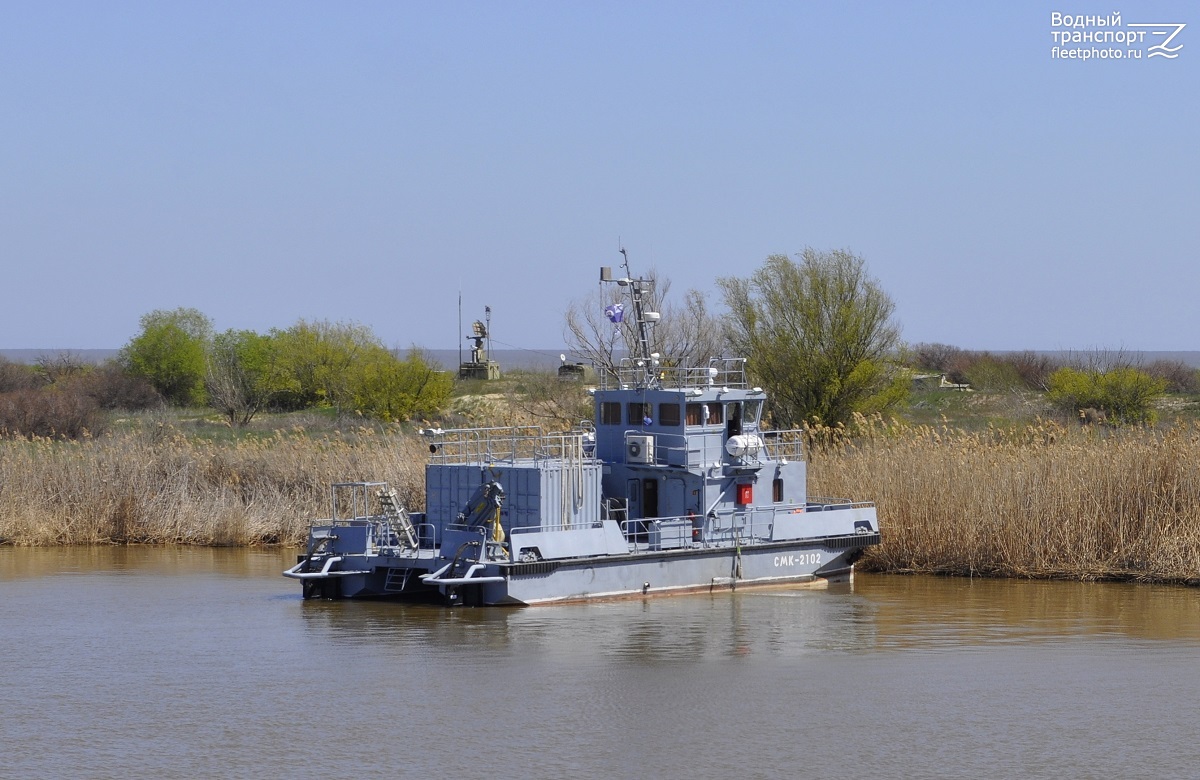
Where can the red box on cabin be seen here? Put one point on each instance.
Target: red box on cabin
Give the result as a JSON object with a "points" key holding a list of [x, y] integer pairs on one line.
{"points": [[745, 494]]}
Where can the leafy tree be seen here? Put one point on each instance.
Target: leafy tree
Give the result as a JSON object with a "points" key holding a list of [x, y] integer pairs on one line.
{"points": [[817, 333], [242, 374], [170, 351], [1125, 394]]}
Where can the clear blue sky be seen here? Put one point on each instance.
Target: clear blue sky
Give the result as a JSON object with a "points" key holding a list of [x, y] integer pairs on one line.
{"points": [[270, 161]]}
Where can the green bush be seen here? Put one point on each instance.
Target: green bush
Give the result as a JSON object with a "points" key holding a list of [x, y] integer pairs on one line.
{"points": [[1125, 395], [387, 388]]}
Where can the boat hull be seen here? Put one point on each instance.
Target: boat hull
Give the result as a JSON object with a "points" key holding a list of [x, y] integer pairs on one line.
{"points": [[603, 577], [675, 572]]}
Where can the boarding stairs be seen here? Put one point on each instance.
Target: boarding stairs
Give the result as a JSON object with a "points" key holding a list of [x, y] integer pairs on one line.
{"points": [[398, 516]]}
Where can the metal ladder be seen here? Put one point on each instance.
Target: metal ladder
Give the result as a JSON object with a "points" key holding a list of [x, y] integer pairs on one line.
{"points": [[398, 516], [397, 580]]}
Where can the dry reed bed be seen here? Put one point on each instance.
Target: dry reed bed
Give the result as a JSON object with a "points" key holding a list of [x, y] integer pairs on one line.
{"points": [[1042, 501], [164, 487]]}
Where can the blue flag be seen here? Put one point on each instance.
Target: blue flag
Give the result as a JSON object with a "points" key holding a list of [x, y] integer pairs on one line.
{"points": [[615, 312]]}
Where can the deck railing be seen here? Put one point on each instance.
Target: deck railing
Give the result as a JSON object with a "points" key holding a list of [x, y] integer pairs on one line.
{"points": [[783, 445], [720, 372], [504, 445], [747, 527]]}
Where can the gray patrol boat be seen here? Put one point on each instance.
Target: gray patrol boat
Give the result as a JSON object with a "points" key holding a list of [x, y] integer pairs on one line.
{"points": [[673, 486]]}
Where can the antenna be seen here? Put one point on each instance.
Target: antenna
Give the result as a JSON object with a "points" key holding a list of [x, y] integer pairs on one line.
{"points": [[487, 315], [460, 335]]}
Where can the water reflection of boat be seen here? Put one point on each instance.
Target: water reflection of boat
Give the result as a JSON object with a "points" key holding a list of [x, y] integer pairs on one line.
{"points": [[673, 486], [764, 623]]}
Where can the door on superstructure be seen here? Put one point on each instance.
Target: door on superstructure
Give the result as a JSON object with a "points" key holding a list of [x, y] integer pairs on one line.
{"points": [[674, 500], [634, 526], [650, 497]]}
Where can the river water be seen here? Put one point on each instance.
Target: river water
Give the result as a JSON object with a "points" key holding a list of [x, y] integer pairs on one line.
{"points": [[166, 663]]}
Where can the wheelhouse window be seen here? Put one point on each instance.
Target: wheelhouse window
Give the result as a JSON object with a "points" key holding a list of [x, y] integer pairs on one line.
{"points": [[777, 490], [639, 413], [750, 414], [735, 419], [668, 414], [705, 414], [610, 413]]}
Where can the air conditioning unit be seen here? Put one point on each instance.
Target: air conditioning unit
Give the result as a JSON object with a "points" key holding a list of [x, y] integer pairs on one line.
{"points": [[639, 449]]}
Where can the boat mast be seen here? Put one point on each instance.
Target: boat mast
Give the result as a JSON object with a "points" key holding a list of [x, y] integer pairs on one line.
{"points": [[639, 289]]}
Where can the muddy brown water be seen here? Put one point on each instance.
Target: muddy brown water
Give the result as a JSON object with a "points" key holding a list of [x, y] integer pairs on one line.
{"points": [[172, 663]]}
